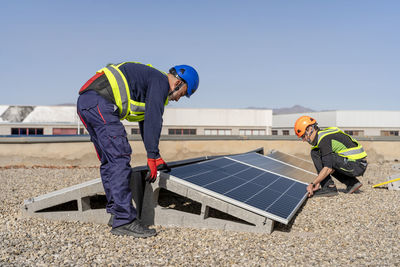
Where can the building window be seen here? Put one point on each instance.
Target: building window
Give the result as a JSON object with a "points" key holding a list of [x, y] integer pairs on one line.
{"points": [[65, 131], [355, 132], [14, 131], [182, 131], [389, 133], [27, 131], [274, 132], [217, 132], [285, 132], [210, 132], [252, 132], [135, 131]]}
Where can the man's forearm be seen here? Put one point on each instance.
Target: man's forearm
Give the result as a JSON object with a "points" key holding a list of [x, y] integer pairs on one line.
{"points": [[322, 175]]}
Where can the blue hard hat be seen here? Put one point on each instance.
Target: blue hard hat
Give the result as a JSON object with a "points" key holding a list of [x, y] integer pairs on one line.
{"points": [[189, 75]]}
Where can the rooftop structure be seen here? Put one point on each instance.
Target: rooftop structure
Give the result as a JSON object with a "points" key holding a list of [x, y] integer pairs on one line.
{"points": [[354, 122], [63, 120], [55, 120]]}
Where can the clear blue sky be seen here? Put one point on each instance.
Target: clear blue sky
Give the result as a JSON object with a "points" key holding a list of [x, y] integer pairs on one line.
{"points": [[318, 54]]}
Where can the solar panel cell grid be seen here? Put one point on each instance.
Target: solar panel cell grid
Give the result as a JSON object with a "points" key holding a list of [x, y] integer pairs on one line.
{"points": [[283, 206], [223, 186], [265, 179], [244, 179], [263, 199]]}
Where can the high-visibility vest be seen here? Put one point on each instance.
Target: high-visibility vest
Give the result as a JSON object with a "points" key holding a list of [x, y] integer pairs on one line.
{"points": [[353, 153], [129, 109]]}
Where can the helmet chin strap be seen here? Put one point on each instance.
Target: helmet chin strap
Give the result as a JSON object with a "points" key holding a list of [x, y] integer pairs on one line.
{"points": [[173, 91], [177, 88], [309, 135]]}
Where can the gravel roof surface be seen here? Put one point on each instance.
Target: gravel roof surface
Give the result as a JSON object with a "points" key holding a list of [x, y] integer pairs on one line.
{"points": [[359, 229]]}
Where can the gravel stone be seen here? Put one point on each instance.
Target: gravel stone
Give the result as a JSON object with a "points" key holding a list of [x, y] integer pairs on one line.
{"points": [[359, 230]]}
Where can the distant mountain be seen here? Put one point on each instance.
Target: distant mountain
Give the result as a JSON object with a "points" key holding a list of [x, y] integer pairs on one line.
{"points": [[294, 109], [66, 104]]}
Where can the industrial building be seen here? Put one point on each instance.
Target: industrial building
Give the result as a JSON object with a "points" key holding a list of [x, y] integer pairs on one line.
{"points": [[353, 122], [63, 120]]}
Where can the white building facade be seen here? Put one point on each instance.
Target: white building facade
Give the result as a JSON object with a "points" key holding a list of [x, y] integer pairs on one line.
{"points": [[354, 122], [63, 120]]}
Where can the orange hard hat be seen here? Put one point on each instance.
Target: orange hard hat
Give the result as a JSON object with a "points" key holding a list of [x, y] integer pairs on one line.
{"points": [[301, 125]]}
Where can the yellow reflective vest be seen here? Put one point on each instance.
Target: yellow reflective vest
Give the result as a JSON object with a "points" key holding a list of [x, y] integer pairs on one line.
{"points": [[353, 153], [129, 109]]}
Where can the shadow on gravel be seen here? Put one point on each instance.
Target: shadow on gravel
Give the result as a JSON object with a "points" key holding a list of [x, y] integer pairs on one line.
{"points": [[171, 200], [381, 188], [359, 191], [288, 227]]}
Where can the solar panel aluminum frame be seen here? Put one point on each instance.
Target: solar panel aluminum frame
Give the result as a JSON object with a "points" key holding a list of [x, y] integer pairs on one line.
{"points": [[239, 203]]}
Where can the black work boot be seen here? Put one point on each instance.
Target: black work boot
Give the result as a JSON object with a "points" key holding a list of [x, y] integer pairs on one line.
{"points": [[353, 188], [326, 191], [328, 188], [135, 228], [111, 220]]}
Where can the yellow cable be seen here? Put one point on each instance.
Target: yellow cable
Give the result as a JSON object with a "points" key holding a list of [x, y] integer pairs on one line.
{"points": [[396, 179]]}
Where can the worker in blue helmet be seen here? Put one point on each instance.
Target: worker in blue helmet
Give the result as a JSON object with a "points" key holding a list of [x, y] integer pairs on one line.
{"points": [[138, 93], [188, 76]]}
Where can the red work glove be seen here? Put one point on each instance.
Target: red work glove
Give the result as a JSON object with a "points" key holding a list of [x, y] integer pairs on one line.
{"points": [[155, 165]]}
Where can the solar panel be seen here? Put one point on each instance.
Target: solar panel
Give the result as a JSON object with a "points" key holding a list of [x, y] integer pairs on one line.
{"points": [[279, 166], [298, 162], [244, 180]]}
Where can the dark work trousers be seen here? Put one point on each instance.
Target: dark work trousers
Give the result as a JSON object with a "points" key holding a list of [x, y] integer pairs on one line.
{"points": [[108, 135], [345, 172]]}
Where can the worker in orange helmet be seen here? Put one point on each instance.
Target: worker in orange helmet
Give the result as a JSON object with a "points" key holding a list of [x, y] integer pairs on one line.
{"points": [[333, 153]]}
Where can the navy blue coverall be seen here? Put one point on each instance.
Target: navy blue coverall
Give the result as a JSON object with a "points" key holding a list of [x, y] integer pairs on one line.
{"points": [[101, 119]]}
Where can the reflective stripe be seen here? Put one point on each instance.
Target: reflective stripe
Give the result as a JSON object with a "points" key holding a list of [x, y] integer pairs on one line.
{"points": [[122, 91], [353, 153], [347, 152], [128, 109], [325, 132], [135, 118], [137, 106], [137, 111]]}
